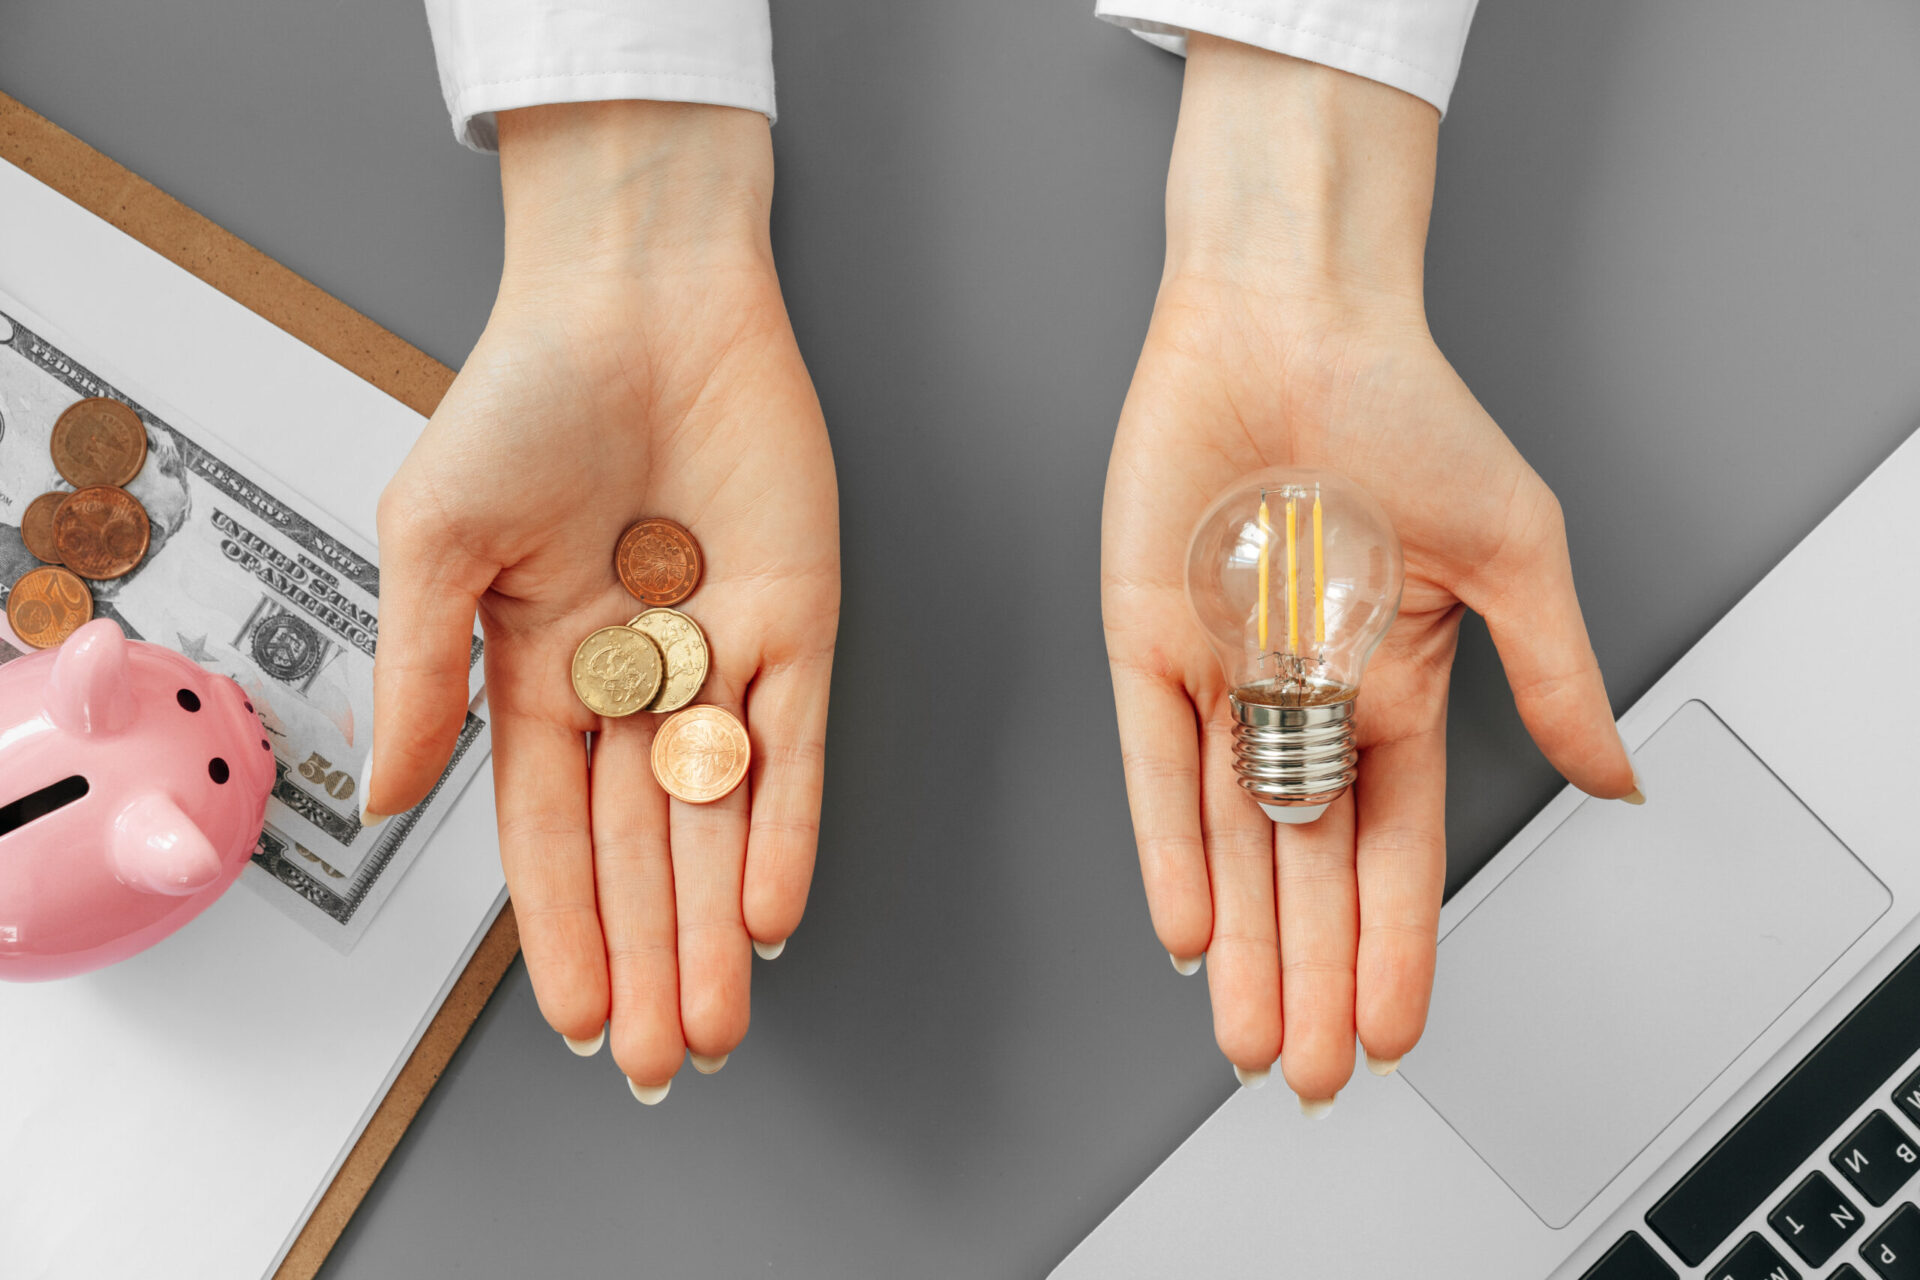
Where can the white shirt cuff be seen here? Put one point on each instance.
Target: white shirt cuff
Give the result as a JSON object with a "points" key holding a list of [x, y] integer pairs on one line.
{"points": [[1413, 45], [496, 55]]}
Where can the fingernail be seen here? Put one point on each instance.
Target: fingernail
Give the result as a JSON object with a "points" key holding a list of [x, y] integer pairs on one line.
{"points": [[1382, 1066], [1314, 1108], [368, 818], [707, 1066], [590, 1046], [1185, 968], [650, 1094], [1635, 796], [769, 950], [1250, 1079]]}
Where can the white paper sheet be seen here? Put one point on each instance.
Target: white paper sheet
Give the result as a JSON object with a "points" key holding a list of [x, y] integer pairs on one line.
{"points": [[177, 1115]]}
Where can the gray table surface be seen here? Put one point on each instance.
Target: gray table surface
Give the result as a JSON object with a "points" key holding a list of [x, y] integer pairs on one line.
{"points": [[1674, 251]]}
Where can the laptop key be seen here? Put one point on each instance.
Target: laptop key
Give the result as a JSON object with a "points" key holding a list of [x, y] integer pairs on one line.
{"points": [[1894, 1250], [1877, 1158], [1845, 1271], [1752, 1161], [1752, 1259], [1816, 1219], [1631, 1258], [1908, 1097]]}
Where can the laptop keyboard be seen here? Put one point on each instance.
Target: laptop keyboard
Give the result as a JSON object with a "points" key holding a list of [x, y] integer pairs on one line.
{"points": [[1862, 1199]]}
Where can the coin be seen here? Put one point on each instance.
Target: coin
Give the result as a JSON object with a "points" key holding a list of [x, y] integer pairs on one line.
{"points": [[47, 605], [36, 526], [616, 671], [101, 531], [700, 754], [658, 561], [99, 441], [684, 646]]}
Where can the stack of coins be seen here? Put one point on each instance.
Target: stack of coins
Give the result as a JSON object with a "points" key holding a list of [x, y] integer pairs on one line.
{"points": [[98, 531], [657, 660]]}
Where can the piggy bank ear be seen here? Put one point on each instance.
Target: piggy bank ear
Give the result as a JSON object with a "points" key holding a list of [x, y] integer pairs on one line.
{"points": [[159, 849], [90, 690]]}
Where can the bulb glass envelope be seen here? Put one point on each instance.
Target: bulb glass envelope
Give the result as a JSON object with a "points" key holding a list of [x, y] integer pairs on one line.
{"points": [[1295, 576]]}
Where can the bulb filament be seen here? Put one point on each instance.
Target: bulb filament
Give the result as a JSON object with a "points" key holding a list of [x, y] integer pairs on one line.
{"points": [[1319, 577], [1293, 579], [1294, 666]]}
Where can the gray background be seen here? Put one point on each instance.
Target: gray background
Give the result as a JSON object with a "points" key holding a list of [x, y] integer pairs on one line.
{"points": [[1675, 251]]}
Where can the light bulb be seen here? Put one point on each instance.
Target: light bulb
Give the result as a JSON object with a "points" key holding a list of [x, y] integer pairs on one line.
{"points": [[1295, 576]]}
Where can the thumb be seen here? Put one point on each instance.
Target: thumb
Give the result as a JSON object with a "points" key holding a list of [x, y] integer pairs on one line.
{"points": [[429, 590], [1528, 600]]}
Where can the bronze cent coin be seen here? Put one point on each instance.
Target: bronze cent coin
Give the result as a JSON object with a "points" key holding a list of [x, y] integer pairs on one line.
{"points": [[684, 646], [101, 531], [701, 754], [658, 561], [617, 671], [36, 526], [47, 605], [99, 441]]}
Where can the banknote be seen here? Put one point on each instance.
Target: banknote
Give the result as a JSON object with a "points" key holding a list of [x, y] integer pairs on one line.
{"points": [[252, 581]]}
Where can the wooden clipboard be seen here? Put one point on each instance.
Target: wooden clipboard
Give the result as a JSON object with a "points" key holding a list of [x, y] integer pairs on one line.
{"points": [[417, 380]]}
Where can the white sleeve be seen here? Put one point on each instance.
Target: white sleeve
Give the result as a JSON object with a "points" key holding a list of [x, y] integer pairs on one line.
{"points": [[496, 55], [1413, 45]]}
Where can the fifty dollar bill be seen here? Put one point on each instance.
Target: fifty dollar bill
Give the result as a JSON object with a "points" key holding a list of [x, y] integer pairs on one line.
{"points": [[253, 582]]}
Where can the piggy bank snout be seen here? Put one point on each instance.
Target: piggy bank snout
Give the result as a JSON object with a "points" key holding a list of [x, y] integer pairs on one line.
{"points": [[158, 848]]}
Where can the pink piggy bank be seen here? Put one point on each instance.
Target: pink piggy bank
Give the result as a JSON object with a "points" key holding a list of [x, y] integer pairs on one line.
{"points": [[133, 786]]}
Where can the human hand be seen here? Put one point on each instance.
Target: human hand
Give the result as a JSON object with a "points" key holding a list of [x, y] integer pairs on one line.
{"points": [[1290, 330], [638, 361]]}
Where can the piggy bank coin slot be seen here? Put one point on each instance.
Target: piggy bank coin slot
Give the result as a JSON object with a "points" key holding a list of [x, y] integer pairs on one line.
{"points": [[38, 804]]}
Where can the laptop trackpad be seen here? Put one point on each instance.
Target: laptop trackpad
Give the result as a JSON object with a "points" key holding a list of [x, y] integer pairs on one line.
{"points": [[1628, 959]]}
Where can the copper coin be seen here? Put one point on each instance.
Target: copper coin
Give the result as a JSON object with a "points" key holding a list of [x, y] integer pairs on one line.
{"points": [[47, 605], [99, 441], [36, 526], [700, 754], [658, 561], [101, 531]]}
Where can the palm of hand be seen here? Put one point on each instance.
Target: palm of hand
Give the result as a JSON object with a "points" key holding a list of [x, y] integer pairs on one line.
{"points": [[1228, 383], [564, 431], [570, 421]]}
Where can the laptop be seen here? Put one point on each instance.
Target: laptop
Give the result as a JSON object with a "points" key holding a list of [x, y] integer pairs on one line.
{"points": [[1677, 1040]]}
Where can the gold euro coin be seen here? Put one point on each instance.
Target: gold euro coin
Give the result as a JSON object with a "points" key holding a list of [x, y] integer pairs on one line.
{"points": [[684, 646], [617, 671], [700, 754]]}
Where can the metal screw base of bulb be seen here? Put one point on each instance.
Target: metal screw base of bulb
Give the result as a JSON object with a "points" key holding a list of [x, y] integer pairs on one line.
{"points": [[1294, 757]]}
